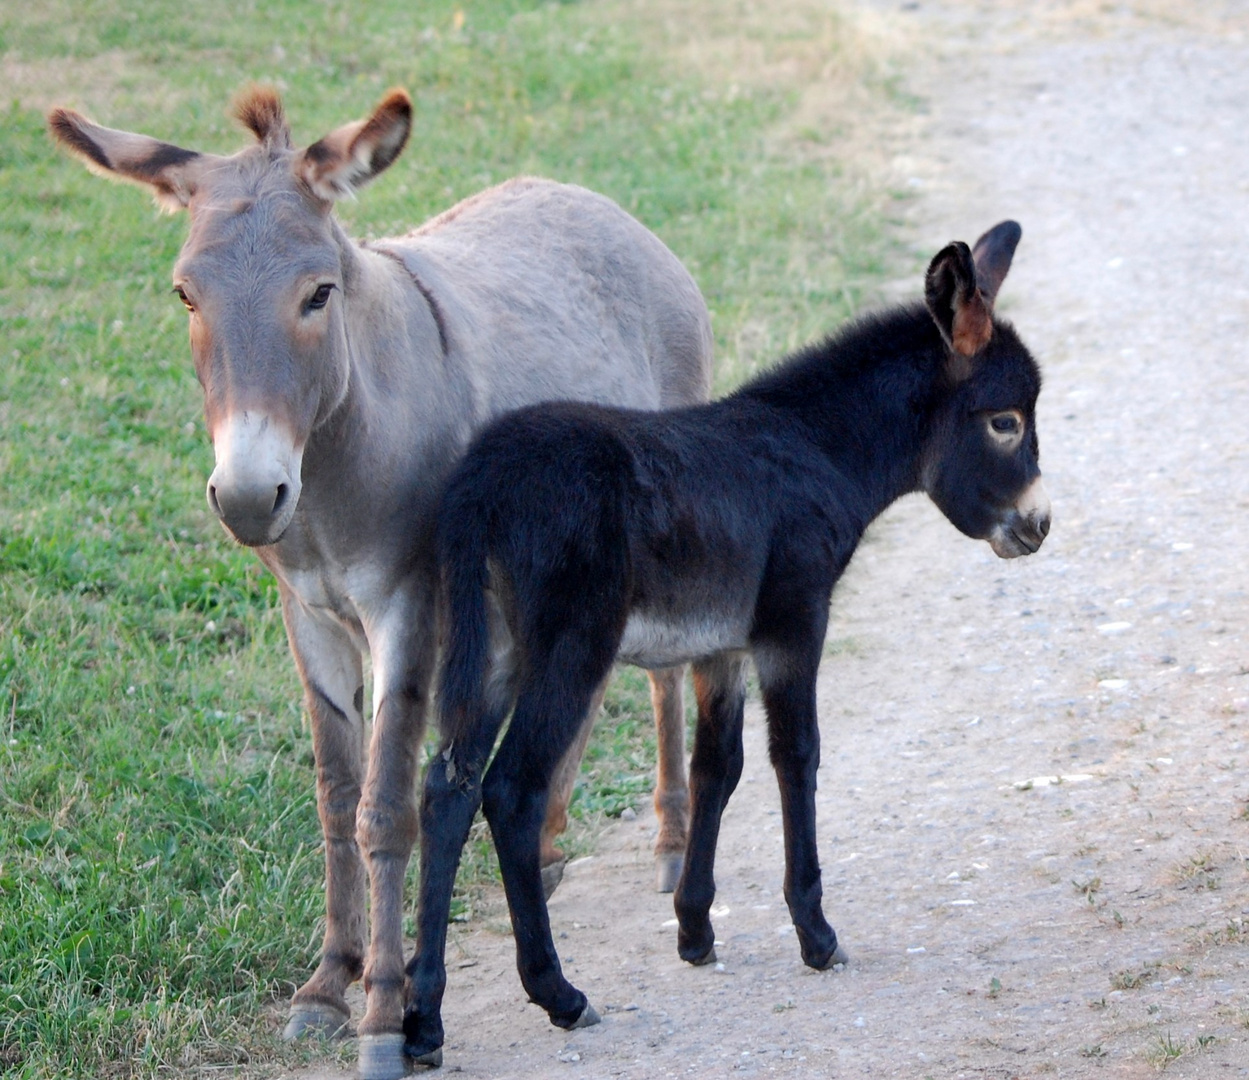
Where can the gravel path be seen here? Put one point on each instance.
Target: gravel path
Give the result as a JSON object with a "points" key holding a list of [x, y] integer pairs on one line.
{"points": [[1094, 927]]}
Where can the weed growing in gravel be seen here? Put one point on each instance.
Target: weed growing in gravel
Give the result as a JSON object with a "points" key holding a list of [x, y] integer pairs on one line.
{"points": [[1165, 1051], [1197, 873], [1088, 889], [1130, 978]]}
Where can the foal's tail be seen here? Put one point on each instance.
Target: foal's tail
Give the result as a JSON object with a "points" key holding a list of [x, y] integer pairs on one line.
{"points": [[463, 547]]}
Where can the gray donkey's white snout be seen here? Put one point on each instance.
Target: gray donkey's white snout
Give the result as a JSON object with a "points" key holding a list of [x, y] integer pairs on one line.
{"points": [[255, 486]]}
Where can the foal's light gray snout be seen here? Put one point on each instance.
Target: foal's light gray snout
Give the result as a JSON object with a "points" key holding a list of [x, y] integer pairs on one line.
{"points": [[255, 486], [1026, 525]]}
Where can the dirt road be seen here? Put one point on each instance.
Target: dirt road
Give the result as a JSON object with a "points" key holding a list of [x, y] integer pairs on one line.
{"points": [[1094, 927]]}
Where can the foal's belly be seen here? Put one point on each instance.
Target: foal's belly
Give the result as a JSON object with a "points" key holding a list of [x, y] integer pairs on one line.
{"points": [[660, 640]]}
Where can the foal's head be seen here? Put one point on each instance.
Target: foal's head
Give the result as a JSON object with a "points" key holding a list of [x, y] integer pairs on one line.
{"points": [[981, 467], [262, 275]]}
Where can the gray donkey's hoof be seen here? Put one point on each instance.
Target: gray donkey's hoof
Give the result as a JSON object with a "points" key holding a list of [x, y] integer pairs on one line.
{"points": [[318, 1020], [552, 875], [668, 867], [381, 1057]]}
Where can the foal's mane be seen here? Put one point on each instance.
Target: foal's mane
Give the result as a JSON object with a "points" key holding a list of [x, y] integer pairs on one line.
{"points": [[860, 345]]}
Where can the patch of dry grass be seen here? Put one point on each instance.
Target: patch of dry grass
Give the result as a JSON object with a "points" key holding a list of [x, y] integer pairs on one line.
{"points": [[833, 58]]}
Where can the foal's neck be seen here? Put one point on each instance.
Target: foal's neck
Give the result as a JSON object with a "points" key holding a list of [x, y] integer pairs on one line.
{"points": [[866, 397]]}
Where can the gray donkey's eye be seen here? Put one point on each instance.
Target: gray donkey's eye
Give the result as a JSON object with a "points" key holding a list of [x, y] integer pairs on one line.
{"points": [[321, 297]]}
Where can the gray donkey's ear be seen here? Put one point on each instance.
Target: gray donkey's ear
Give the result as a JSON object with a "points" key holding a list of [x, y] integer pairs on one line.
{"points": [[170, 172], [348, 158], [259, 109]]}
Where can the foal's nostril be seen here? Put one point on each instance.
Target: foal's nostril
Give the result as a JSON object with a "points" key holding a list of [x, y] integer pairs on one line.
{"points": [[280, 500], [212, 500]]}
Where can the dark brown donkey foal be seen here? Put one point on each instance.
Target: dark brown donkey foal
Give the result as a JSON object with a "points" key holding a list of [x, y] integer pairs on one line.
{"points": [[704, 535]]}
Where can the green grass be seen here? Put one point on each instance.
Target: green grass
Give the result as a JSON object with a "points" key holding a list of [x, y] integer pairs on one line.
{"points": [[160, 861]]}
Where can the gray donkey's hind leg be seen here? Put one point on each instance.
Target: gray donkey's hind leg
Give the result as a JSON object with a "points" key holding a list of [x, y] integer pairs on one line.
{"points": [[672, 793], [552, 859]]}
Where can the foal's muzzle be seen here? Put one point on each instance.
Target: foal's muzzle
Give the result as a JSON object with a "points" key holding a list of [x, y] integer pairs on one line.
{"points": [[1025, 526]]}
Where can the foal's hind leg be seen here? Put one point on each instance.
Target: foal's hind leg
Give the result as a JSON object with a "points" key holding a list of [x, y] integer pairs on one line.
{"points": [[672, 793], [452, 794], [715, 769], [450, 798], [547, 718]]}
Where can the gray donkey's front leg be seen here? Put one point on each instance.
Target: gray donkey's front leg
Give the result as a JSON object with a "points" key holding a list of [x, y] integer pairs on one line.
{"points": [[330, 667], [387, 821]]}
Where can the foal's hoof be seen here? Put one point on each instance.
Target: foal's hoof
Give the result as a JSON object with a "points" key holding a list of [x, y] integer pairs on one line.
{"points": [[588, 1018], [430, 1060], [668, 867], [382, 1057], [709, 957], [318, 1020], [552, 875], [840, 956]]}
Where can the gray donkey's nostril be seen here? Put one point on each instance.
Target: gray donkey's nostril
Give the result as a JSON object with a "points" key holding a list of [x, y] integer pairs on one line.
{"points": [[280, 499], [1043, 526]]}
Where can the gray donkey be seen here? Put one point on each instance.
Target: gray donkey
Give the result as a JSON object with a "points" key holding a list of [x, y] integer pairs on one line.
{"points": [[342, 381]]}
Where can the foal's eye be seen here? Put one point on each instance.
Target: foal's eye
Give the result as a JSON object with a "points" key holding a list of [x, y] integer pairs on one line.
{"points": [[320, 298], [180, 293], [1006, 428]]}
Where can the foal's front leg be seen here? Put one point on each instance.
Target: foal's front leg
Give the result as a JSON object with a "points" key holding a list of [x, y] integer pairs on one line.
{"points": [[715, 769], [788, 690]]}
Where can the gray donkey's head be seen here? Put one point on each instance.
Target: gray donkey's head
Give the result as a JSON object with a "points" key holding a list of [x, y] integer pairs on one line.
{"points": [[263, 274]]}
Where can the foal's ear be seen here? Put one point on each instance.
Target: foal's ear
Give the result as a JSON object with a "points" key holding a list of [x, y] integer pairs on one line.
{"points": [[170, 172], [962, 313], [993, 254], [355, 153]]}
